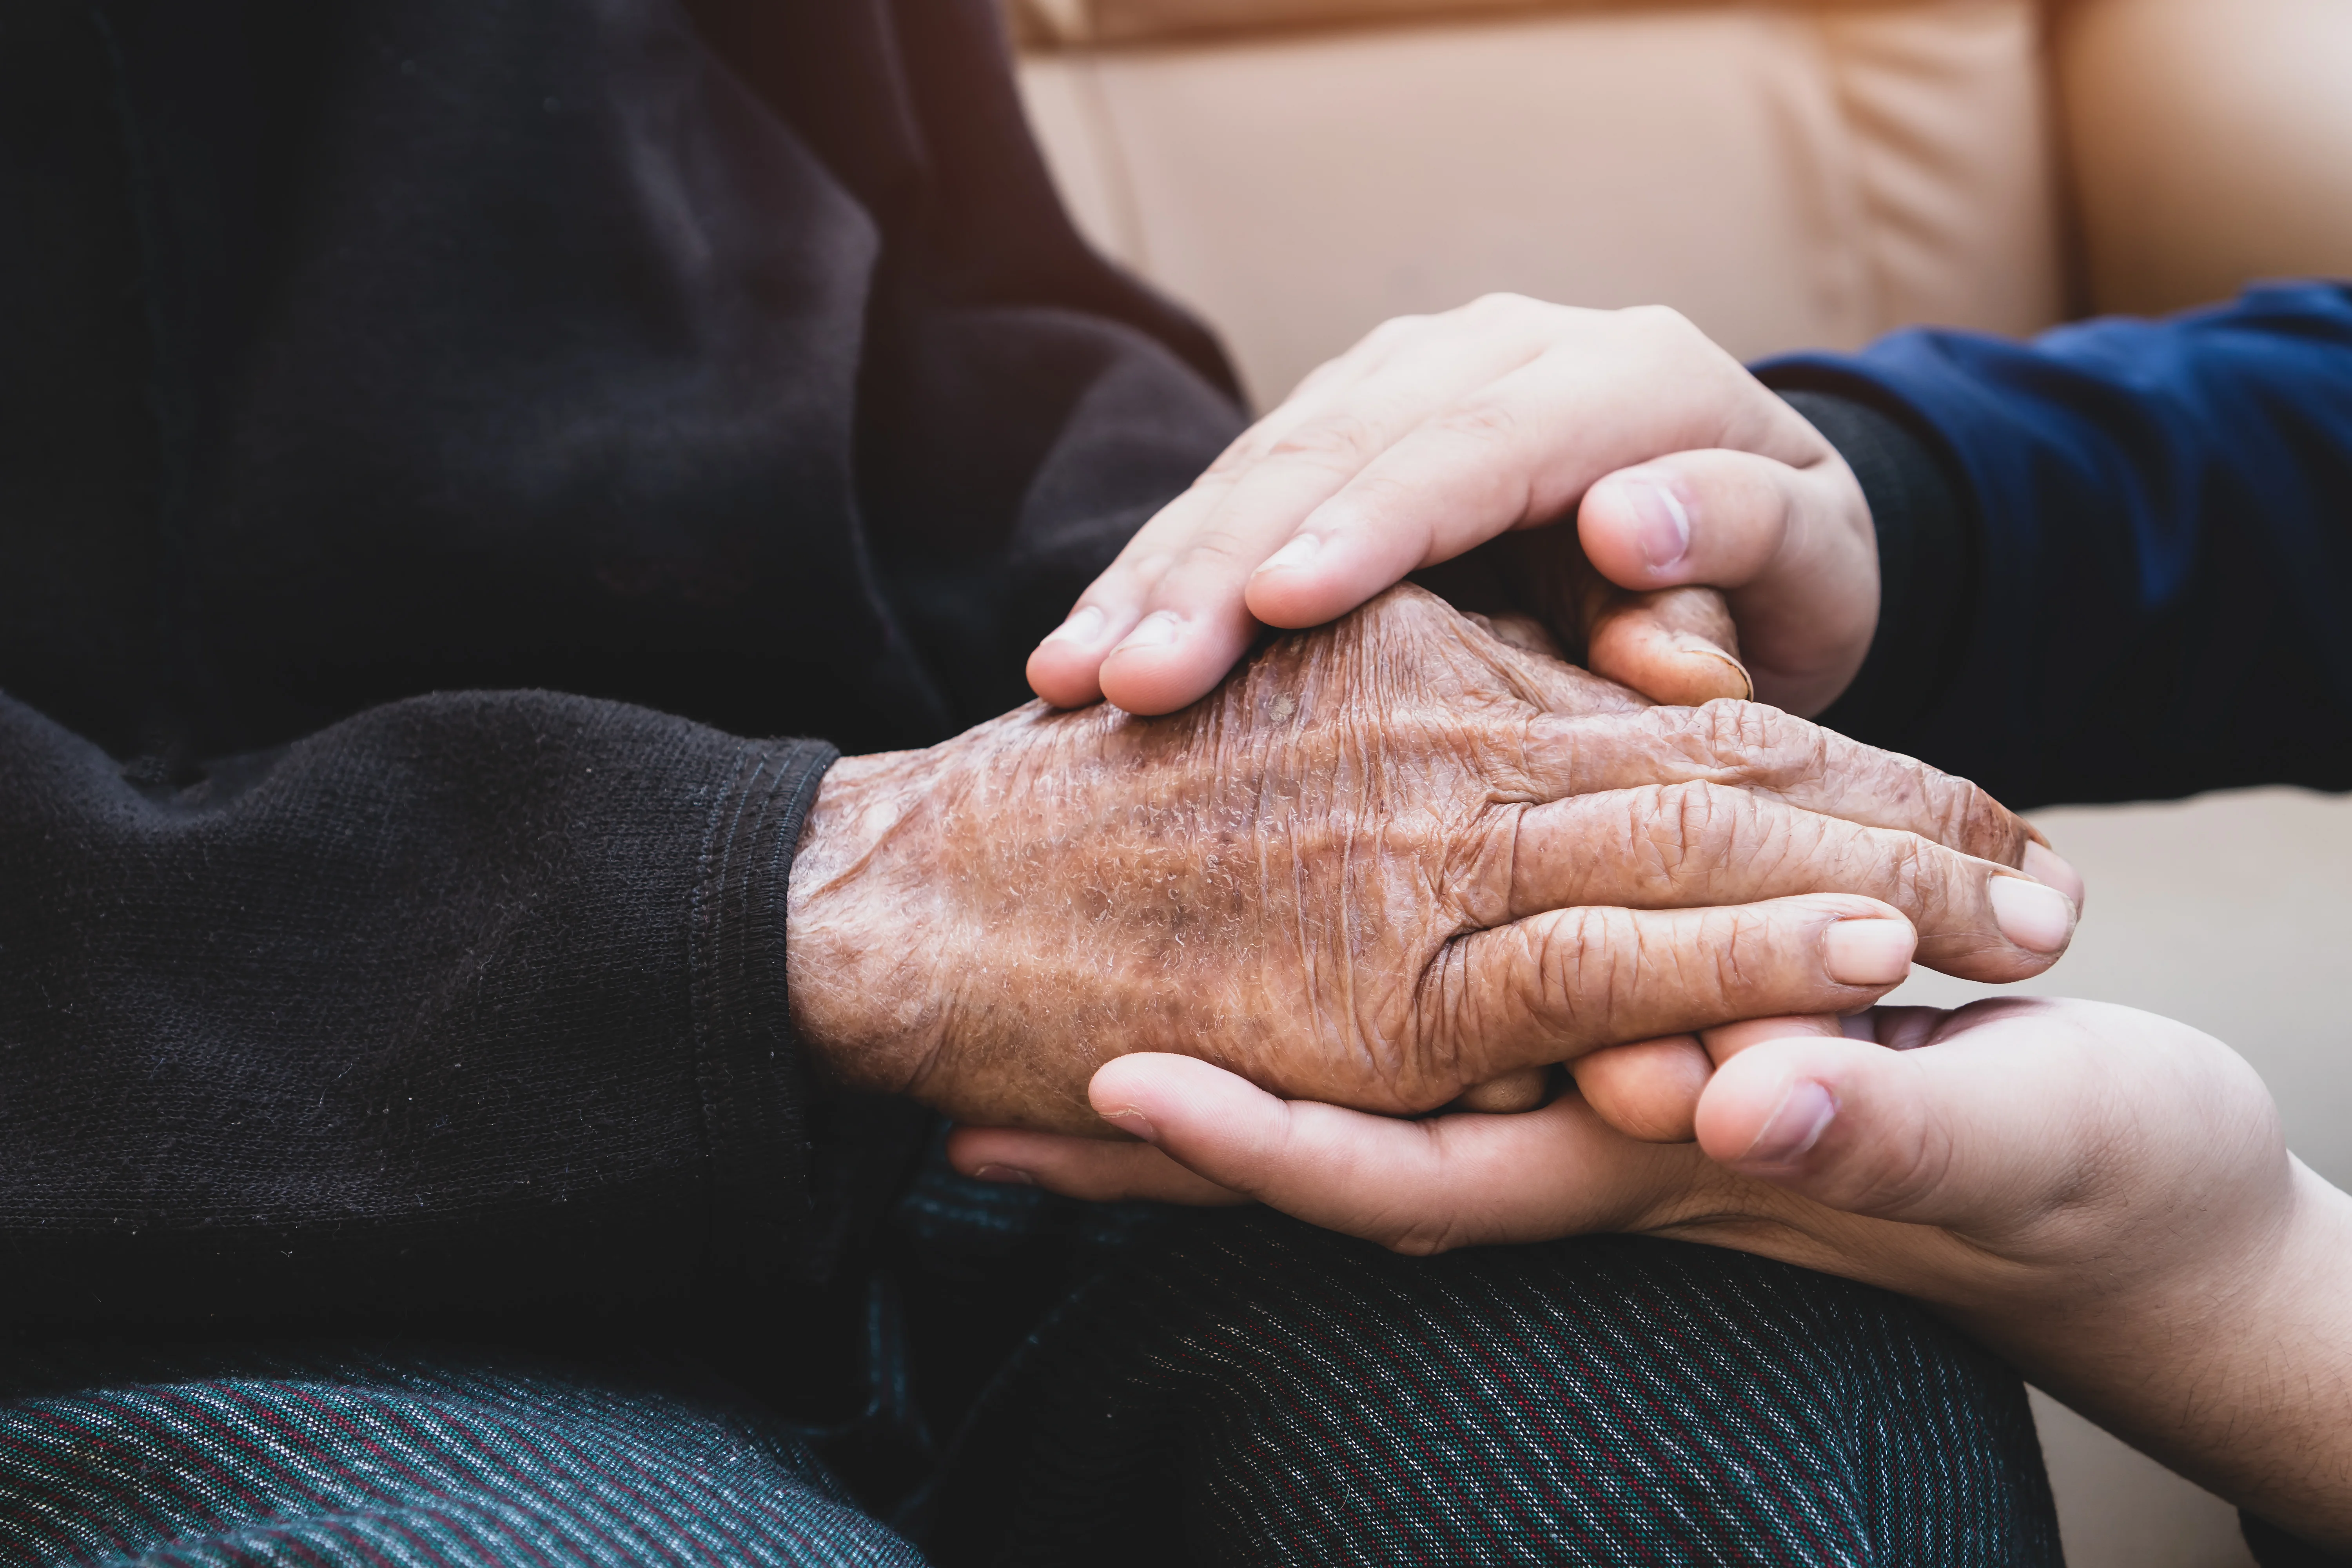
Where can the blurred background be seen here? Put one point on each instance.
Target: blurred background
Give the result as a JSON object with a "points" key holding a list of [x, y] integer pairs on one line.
{"points": [[1799, 174]]}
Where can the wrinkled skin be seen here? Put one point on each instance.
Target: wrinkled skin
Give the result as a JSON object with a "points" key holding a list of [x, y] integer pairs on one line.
{"points": [[1386, 860]]}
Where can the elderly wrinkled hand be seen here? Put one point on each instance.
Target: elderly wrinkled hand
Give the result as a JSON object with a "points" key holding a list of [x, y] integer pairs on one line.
{"points": [[1387, 860]]}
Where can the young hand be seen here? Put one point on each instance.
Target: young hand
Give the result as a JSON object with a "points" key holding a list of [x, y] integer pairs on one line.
{"points": [[2101, 1196], [1438, 433]]}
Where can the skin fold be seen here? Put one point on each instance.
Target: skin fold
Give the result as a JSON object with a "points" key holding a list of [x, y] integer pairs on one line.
{"points": [[1387, 860]]}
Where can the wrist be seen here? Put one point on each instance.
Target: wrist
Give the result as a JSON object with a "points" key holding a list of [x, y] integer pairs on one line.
{"points": [[2232, 1366], [855, 934]]}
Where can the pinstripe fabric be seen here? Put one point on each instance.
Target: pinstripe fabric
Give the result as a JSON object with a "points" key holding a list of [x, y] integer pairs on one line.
{"points": [[1261, 1393], [362, 1460], [1239, 1390]]}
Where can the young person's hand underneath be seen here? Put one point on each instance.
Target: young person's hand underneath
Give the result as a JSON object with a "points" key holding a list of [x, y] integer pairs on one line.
{"points": [[1438, 433], [2102, 1195], [1389, 859]]}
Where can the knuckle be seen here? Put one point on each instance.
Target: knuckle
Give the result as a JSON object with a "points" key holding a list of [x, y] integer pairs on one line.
{"points": [[1241, 454], [1663, 320], [1743, 949], [1500, 304], [1584, 961], [1689, 829], [1760, 745], [1485, 420], [1391, 332], [1706, 820], [1213, 549], [1914, 876], [1336, 441]]}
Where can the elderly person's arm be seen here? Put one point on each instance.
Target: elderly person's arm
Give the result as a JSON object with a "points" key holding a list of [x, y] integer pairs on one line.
{"points": [[487, 1000]]}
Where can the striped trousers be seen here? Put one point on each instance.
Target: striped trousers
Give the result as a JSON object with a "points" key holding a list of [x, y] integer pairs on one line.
{"points": [[1236, 1389]]}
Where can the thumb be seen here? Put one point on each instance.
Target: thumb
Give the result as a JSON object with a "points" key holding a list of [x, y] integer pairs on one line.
{"points": [[1852, 1125], [1982, 1120], [1676, 645], [1791, 548]]}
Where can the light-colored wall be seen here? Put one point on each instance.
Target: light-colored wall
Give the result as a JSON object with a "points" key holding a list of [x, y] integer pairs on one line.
{"points": [[2232, 912]]}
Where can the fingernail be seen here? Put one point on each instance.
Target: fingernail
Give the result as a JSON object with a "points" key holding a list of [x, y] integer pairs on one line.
{"points": [[2035, 918], [1127, 1119], [1666, 532], [1797, 1124], [1012, 1175], [1298, 552], [1868, 952], [1083, 626], [1158, 630], [1691, 643], [2045, 864]]}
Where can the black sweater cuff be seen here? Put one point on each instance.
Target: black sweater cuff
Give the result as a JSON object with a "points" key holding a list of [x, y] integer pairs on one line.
{"points": [[1928, 566], [747, 1063]]}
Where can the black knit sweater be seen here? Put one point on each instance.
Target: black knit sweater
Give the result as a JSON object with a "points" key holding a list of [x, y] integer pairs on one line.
{"points": [[733, 373]]}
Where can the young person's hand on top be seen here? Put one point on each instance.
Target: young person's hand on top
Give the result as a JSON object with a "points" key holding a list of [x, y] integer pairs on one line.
{"points": [[1438, 433]]}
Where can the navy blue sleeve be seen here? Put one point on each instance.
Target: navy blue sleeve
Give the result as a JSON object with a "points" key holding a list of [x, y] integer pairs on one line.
{"points": [[2158, 593]]}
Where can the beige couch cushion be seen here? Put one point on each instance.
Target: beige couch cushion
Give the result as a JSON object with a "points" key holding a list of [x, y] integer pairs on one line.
{"points": [[2211, 143], [1788, 175]]}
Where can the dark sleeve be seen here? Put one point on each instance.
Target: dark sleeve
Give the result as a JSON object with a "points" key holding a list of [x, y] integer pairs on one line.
{"points": [[470, 1002], [2274, 1548], [2146, 589]]}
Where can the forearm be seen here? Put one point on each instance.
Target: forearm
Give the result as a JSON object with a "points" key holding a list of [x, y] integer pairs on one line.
{"points": [[2238, 1375]]}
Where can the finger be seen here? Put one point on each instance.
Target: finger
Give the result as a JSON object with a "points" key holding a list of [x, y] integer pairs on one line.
{"points": [[1508, 1095], [1189, 621], [1791, 546], [1727, 1042], [1676, 645], [1894, 1134], [1748, 746], [1075, 1167], [1522, 452], [1416, 1186], [1691, 845], [1987, 1120], [1552, 987], [1066, 668], [1648, 1090], [2043, 865]]}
